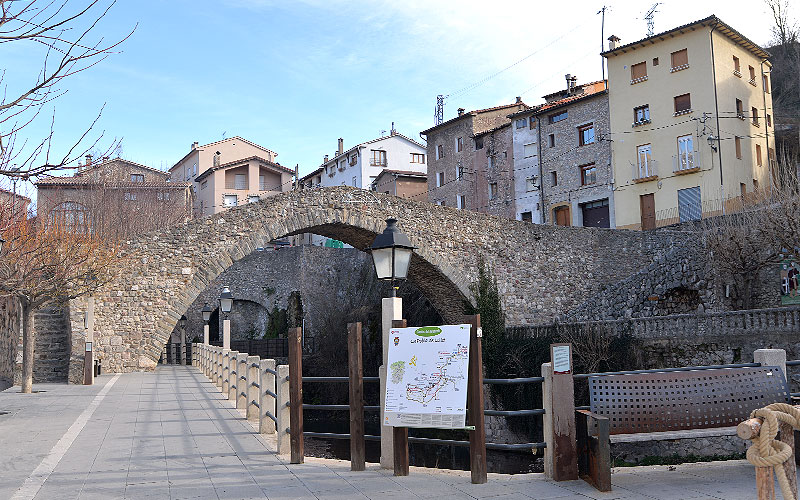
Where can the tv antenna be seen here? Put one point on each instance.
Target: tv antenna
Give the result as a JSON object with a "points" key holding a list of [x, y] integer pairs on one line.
{"points": [[649, 18]]}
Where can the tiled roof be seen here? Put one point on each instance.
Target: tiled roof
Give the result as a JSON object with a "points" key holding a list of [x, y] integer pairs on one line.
{"points": [[363, 144], [407, 173], [312, 174], [121, 160], [236, 137], [591, 89], [74, 181], [712, 21], [473, 113], [494, 129], [243, 160]]}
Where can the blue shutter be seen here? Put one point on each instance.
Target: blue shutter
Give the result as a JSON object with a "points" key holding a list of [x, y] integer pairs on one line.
{"points": [[689, 207]]}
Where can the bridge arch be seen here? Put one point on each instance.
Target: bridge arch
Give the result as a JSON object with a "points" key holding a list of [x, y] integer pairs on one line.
{"points": [[541, 270]]}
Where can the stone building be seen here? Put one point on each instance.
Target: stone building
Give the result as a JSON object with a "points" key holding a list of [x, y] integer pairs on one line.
{"points": [[12, 203], [402, 183], [114, 198], [572, 185], [454, 152], [493, 187]]}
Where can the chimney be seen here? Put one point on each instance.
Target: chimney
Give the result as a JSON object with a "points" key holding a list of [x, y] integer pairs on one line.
{"points": [[460, 111], [571, 80], [613, 42], [519, 100], [393, 132], [195, 144], [341, 146], [326, 159], [88, 161]]}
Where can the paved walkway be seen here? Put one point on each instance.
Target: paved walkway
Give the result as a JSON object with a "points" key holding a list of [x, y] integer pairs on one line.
{"points": [[170, 435]]}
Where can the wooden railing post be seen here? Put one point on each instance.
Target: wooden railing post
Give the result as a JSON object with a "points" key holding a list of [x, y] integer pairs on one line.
{"points": [[561, 455], [400, 434], [356, 369], [477, 437], [296, 395]]}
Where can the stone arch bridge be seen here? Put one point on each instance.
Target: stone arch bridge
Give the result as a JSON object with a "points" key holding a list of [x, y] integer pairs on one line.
{"points": [[541, 271]]}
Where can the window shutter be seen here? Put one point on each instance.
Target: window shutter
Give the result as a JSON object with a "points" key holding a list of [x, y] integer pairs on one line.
{"points": [[689, 204], [683, 103], [680, 58], [639, 70]]}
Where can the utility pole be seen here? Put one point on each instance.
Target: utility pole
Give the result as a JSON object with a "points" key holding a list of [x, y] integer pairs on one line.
{"points": [[438, 116], [602, 41]]}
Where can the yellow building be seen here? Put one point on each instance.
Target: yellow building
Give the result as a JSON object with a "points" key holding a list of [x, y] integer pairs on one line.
{"points": [[691, 123]]}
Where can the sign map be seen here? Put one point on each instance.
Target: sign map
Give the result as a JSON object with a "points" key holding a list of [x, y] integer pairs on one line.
{"points": [[426, 382]]}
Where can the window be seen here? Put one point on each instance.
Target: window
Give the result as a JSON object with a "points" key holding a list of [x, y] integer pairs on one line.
{"points": [[655, 61], [342, 164], [765, 83], [683, 104], [461, 202], [71, 216], [440, 203], [253, 198], [203, 185], [378, 158], [754, 112], [439, 152], [354, 159], [532, 123], [680, 60], [743, 189], [194, 169], [492, 190], [557, 117], [529, 150], [586, 134], [459, 171], [551, 139], [216, 159], [459, 144], [526, 216], [738, 141], [230, 200], [554, 178], [752, 75], [262, 183], [490, 161], [755, 184], [130, 196], [440, 179], [641, 114], [588, 174], [355, 182], [137, 178], [162, 196], [685, 152], [530, 184], [644, 154], [739, 109], [769, 120], [638, 72], [737, 70], [758, 155], [689, 206], [478, 143], [521, 123], [417, 158], [240, 181]]}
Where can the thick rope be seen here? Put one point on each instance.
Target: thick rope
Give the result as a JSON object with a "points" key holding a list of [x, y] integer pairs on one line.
{"points": [[766, 451]]}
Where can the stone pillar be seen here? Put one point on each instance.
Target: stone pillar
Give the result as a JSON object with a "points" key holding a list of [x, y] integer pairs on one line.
{"points": [[183, 347], [391, 309], [206, 335], [282, 410], [174, 353], [241, 383], [265, 424], [89, 361], [771, 357], [224, 372], [253, 386], [226, 334], [233, 363]]}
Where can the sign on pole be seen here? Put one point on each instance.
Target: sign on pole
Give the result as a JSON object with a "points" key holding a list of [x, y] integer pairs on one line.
{"points": [[426, 383]]}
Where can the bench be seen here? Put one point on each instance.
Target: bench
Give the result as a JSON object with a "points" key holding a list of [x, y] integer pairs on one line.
{"points": [[667, 401]]}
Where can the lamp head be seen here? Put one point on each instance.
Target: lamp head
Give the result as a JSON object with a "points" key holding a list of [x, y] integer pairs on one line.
{"points": [[226, 300], [206, 311]]}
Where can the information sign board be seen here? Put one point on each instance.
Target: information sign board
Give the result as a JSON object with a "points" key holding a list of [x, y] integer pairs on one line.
{"points": [[426, 381]]}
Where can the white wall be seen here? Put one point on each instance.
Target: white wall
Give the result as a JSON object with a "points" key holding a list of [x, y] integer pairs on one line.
{"points": [[524, 200]]}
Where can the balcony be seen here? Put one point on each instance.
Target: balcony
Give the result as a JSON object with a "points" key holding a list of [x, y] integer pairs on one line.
{"points": [[686, 163], [679, 68], [738, 73], [752, 82], [645, 172]]}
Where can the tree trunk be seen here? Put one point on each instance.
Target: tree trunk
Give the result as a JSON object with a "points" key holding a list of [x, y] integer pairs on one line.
{"points": [[28, 341]]}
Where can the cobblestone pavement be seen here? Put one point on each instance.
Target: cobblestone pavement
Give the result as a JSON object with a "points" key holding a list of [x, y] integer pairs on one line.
{"points": [[171, 435]]}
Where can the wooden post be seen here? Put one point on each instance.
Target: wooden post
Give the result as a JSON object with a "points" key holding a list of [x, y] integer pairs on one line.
{"points": [[786, 435], [477, 437], [765, 484], [400, 434], [357, 452], [562, 418], [296, 395]]}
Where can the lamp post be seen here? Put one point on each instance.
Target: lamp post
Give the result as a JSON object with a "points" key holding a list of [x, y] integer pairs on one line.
{"points": [[182, 324], [206, 317], [225, 304], [391, 254]]}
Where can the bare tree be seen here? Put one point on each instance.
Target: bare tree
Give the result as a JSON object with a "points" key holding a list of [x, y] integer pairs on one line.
{"points": [[39, 264], [70, 46]]}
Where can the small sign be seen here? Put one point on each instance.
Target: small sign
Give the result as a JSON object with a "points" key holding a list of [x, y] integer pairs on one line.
{"points": [[88, 347], [561, 359], [479, 334]]}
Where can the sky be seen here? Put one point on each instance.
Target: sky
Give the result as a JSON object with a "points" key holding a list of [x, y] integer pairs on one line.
{"points": [[295, 75]]}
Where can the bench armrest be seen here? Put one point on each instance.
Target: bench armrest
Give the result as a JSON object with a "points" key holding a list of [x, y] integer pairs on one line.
{"points": [[594, 450]]}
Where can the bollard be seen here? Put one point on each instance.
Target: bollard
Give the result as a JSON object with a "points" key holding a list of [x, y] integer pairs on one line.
{"points": [[233, 363], [241, 381], [224, 369], [253, 387], [266, 424], [282, 414]]}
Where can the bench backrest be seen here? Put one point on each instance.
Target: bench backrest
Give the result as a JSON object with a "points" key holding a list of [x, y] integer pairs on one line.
{"points": [[696, 399]]}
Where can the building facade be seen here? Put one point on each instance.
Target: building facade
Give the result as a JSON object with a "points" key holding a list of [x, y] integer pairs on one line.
{"points": [[114, 198], [691, 123], [13, 205], [231, 172], [562, 158], [405, 184], [459, 171]]}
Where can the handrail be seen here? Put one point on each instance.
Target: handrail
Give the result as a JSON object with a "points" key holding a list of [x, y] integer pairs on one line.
{"points": [[666, 370], [337, 379], [505, 381]]}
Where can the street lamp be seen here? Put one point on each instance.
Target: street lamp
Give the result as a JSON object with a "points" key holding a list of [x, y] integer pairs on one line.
{"points": [[206, 311], [226, 303], [391, 253]]}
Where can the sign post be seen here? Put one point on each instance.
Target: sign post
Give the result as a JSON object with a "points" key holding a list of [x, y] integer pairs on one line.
{"points": [[477, 436], [562, 418]]}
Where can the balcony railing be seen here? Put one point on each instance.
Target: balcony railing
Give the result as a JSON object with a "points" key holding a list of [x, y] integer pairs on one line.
{"points": [[645, 172], [686, 163]]}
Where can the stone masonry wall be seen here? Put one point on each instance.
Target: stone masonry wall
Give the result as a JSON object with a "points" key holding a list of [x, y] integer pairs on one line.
{"points": [[9, 337], [52, 347]]}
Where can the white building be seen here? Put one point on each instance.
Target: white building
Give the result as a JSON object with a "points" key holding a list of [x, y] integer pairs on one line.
{"points": [[525, 142], [360, 165]]}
